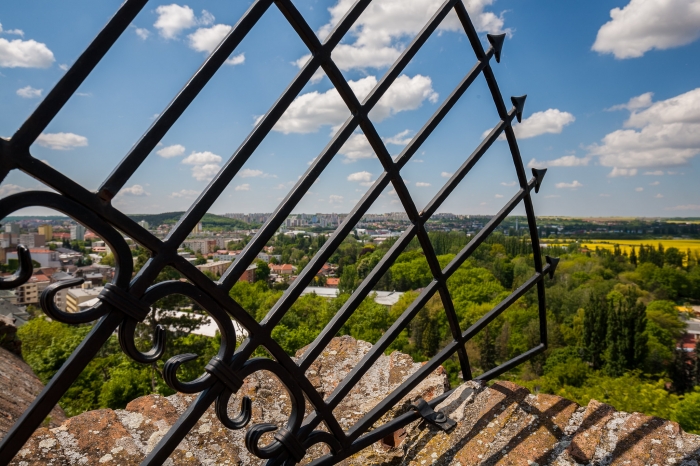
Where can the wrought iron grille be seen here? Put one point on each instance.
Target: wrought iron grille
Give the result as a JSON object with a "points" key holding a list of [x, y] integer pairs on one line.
{"points": [[126, 301]]}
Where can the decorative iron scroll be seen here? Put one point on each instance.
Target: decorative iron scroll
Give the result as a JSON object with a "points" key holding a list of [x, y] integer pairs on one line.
{"points": [[126, 300]]}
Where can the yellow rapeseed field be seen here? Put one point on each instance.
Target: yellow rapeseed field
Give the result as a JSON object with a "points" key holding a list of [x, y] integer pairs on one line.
{"points": [[626, 244]]}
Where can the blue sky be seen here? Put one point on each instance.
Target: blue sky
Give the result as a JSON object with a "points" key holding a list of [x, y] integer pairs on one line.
{"points": [[613, 106]]}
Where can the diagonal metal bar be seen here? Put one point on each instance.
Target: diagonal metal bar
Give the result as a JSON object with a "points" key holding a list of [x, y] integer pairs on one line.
{"points": [[361, 293], [391, 400], [351, 380], [35, 414], [465, 168], [487, 230], [182, 426], [246, 149], [445, 297], [365, 288], [75, 192], [405, 155], [455, 329], [74, 77], [131, 162], [408, 54], [287, 205], [345, 312], [320, 258]]}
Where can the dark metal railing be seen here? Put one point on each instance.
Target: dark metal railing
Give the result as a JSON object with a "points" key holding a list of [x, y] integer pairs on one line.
{"points": [[126, 301]]}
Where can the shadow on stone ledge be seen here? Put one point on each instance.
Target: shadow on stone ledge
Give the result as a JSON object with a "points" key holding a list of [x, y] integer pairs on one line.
{"points": [[499, 425]]}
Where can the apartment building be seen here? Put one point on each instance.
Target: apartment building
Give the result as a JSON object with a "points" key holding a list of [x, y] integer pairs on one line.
{"points": [[76, 296], [32, 240], [77, 232], [47, 231], [30, 292]]}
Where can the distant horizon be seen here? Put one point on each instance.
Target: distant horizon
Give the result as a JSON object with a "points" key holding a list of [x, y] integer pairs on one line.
{"points": [[582, 217]]}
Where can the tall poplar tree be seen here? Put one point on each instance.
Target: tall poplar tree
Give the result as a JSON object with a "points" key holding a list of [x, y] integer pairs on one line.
{"points": [[595, 322], [488, 351]]}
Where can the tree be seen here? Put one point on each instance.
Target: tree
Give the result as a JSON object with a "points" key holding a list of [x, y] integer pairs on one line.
{"points": [[262, 271], [673, 257], [633, 257], [348, 279], [628, 393], [687, 412], [108, 260], [682, 371], [626, 339], [488, 351], [595, 321]]}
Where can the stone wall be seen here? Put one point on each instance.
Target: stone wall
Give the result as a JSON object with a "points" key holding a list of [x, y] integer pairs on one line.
{"points": [[18, 388], [501, 424]]}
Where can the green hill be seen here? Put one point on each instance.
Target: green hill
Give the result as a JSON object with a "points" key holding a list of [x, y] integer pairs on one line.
{"points": [[209, 221]]}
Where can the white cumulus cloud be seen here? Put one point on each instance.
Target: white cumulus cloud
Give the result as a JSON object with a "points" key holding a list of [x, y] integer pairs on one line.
{"points": [[551, 121], [207, 39], [617, 172], [135, 190], [360, 176], [400, 139], [310, 111], [635, 103], [171, 151], [204, 165], [173, 19], [573, 185], [355, 148], [422, 184], [188, 193], [201, 158], [142, 33], [205, 172], [363, 177], [385, 29], [20, 53], [565, 161], [335, 199], [448, 175], [249, 173], [28, 92], [666, 133], [243, 187], [61, 141], [16, 32], [643, 25]]}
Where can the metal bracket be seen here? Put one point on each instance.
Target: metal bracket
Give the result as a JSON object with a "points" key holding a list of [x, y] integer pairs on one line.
{"points": [[437, 418]]}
